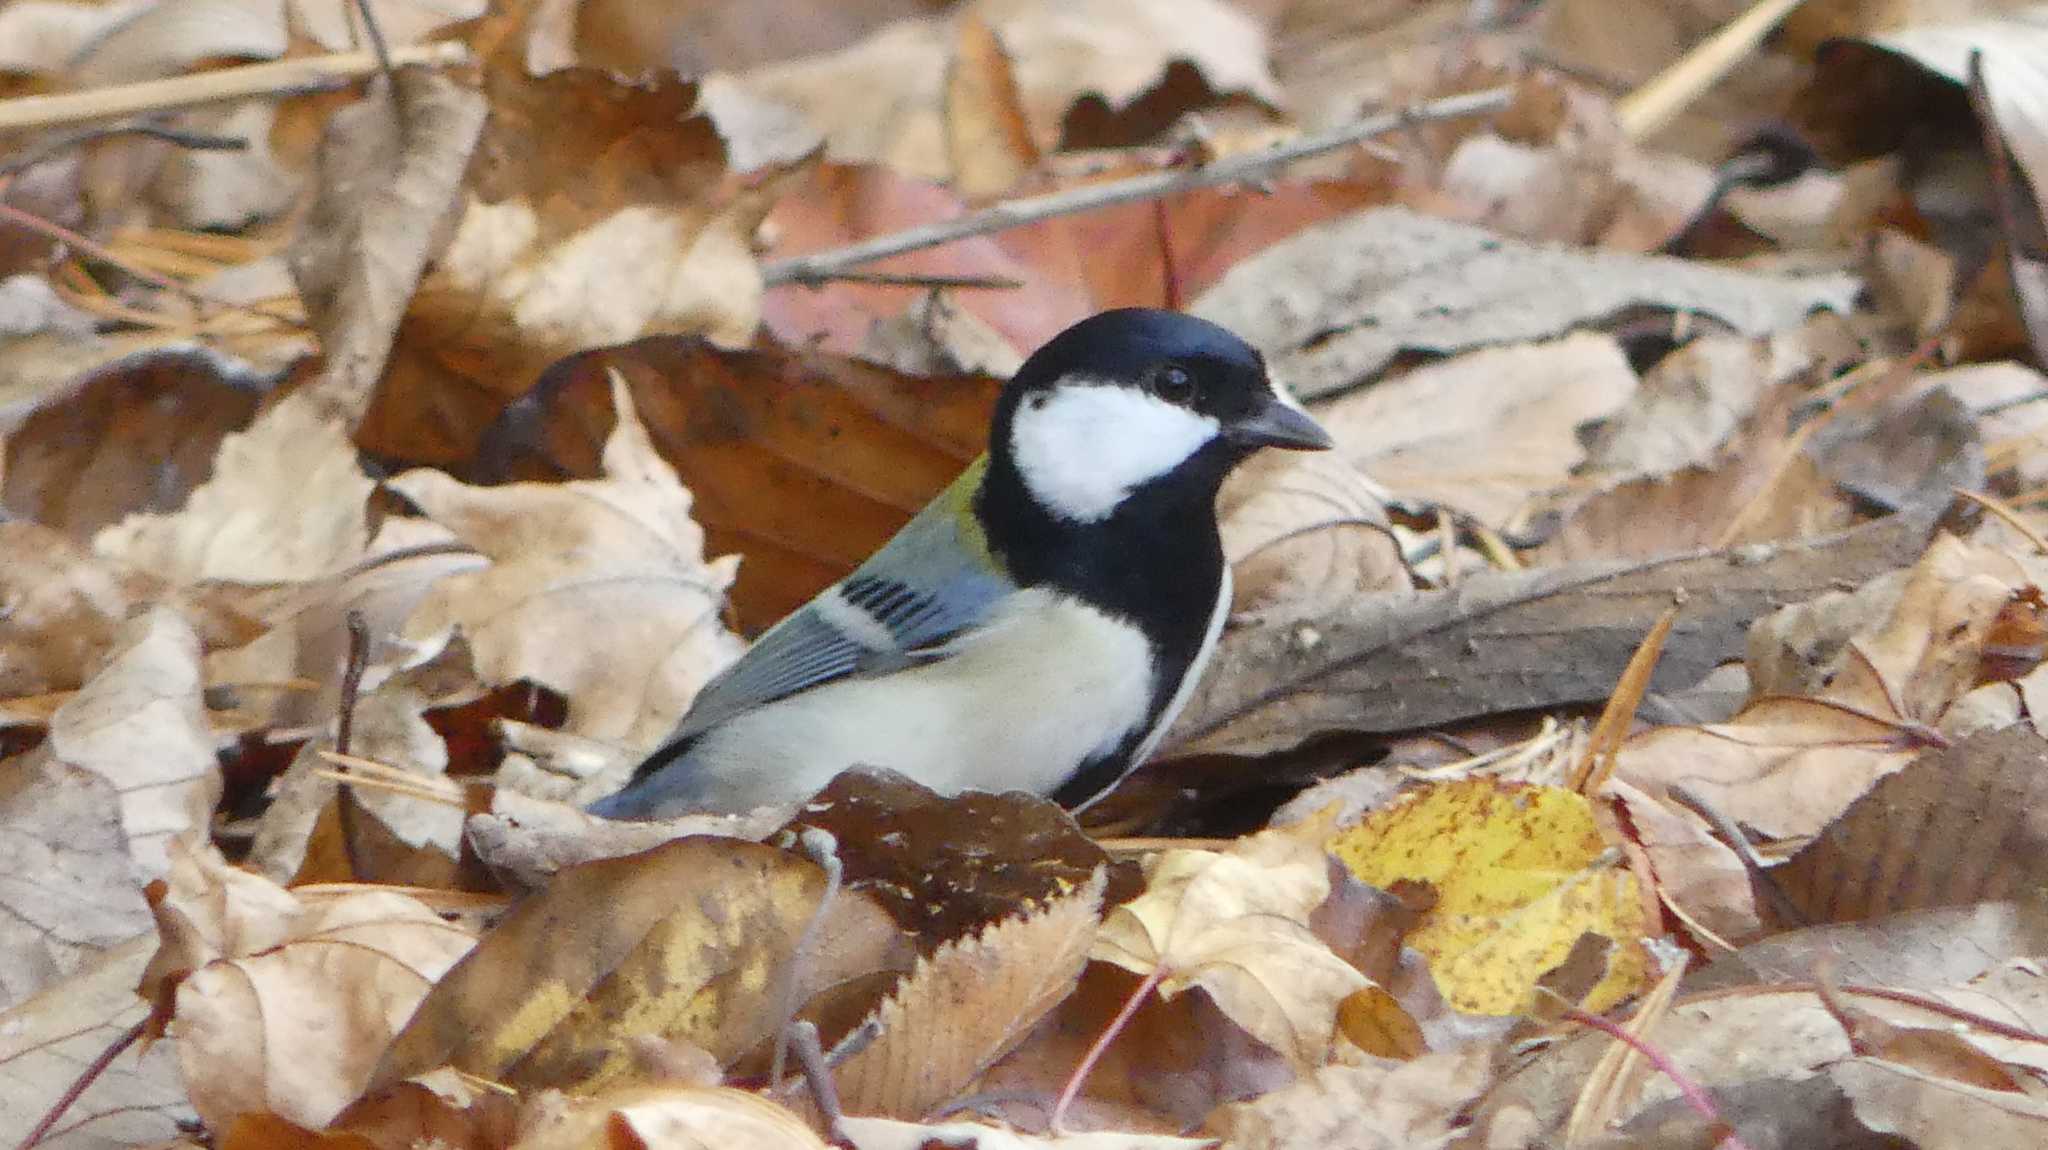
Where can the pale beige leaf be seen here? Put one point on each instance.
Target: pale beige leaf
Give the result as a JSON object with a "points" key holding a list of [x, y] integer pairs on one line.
{"points": [[167, 37], [1305, 533], [967, 1004], [1937, 1113], [1484, 431], [1334, 304], [65, 606], [140, 725], [43, 37], [226, 190], [45, 1041], [348, 968], [1382, 1106], [597, 588], [336, 26], [286, 501], [68, 889], [1236, 925]]}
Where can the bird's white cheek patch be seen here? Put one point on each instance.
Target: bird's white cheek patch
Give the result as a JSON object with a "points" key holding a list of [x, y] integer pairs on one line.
{"points": [[1083, 447]]}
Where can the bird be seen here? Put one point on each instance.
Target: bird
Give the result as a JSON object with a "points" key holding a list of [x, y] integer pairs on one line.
{"points": [[1040, 623]]}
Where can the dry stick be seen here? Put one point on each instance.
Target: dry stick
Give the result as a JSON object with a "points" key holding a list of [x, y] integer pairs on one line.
{"points": [[1169, 274], [2012, 517], [81, 1084], [1669, 93], [1745, 851], [344, 733], [931, 280], [1604, 747], [277, 78], [196, 141], [819, 267], [29, 221]]}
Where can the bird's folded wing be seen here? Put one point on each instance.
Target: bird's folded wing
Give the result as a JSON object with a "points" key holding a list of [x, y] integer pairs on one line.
{"points": [[928, 584]]}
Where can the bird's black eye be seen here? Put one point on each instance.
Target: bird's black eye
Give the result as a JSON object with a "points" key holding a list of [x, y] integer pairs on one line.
{"points": [[1172, 383]]}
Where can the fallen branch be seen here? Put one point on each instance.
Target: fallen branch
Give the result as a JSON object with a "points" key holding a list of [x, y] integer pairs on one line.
{"points": [[275, 78], [1251, 167]]}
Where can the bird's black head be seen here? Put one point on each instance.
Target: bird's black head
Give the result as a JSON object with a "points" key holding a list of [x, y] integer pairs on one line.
{"points": [[1135, 397]]}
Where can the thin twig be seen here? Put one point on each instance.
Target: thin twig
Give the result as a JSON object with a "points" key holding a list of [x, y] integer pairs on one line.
{"points": [[1695, 1096], [58, 145], [223, 85], [378, 46], [29, 221], [1169, 272], [1249, 167], [2012, 518], [82, 1083], [921, 280], [1116, 1026], [344, 732], [1745, 851], [803, 1038]]}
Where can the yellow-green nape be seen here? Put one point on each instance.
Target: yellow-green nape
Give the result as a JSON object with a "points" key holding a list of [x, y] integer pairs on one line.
{"points": [[958, 500]]}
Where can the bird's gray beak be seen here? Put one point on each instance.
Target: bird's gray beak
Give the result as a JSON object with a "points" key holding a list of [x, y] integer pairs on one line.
{"points": [[1280, 423]]}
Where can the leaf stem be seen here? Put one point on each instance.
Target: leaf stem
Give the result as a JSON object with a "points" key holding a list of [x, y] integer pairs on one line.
{"points": [[1095, 1052]]}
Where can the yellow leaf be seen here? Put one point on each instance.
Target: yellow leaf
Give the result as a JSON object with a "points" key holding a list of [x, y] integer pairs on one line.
{"points": [[1518, 877]]}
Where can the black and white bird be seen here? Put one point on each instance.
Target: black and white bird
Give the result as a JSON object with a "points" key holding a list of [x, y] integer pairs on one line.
{"points": [[1040, 623]]}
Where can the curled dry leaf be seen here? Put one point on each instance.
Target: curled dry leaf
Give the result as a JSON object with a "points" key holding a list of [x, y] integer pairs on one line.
{"points": [[1236, 924], [595, 210], [1336, 303], [693, 941], [286, 502], [969, 1003], [1520, 872], [248, 970], [390, 170], [597, 588], [670, 1118], [1383, 1106]]}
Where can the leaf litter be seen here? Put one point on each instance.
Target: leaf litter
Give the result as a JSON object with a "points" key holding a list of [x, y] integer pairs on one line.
{"points": [[384, 467]]}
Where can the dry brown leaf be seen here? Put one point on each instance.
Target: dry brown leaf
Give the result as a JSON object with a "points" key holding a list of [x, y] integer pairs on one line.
{"points": [[46, 1040], [1908, 950], [135, 433], [1236, 925], [390, 168], [1485, 431], [1786, 766], [164, 39], [286, 501], [988, 138], [669, 1118], [44, 36], [881, 100], [693, 941], [967, 1004], [1333, 305], [67, 883], [1957, 827], [335, 24], [1525, 640], [596, 588], [1383, 1106], [889, 1134], [65, 611]]}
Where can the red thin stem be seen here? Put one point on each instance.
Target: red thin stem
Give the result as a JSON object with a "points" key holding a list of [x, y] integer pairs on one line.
{"points": [[1095, 1052], [82, 1083], [1696, 1097]]}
